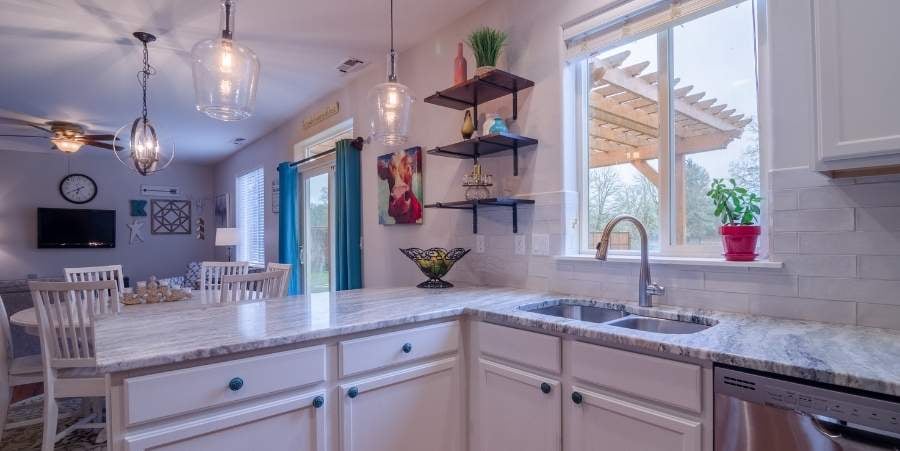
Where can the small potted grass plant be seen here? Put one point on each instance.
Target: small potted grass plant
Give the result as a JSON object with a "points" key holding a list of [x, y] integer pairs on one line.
{"points": [[738, 209], [486, 43]]}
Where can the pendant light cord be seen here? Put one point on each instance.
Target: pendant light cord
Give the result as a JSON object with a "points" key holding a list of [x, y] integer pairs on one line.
{"points": [[227, 33], [392, 76], [143, 76]]}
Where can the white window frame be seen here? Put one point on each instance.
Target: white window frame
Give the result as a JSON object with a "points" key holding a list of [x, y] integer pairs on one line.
{"points": [[580, 77], [243, 253], [302, 148]]}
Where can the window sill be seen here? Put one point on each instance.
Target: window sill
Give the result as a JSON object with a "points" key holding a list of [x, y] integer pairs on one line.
{"points": [[682, 261]]}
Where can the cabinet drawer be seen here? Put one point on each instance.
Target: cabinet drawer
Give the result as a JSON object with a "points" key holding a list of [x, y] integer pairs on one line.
{"points": [[190, 389], [519, 346], [674, 383], [380, 351]]}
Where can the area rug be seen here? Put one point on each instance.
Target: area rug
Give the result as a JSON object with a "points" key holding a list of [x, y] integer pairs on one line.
{"points": [[29, 438]]}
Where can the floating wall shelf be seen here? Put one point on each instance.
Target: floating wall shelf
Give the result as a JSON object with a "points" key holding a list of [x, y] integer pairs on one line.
{"points": [[486, 145], [473, 205], [480, 89]]}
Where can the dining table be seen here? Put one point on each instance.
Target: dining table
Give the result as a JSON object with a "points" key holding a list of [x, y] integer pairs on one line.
{"points": [[27, 318]]}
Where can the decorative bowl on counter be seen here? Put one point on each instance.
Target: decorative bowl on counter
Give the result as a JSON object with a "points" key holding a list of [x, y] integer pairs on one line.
{"points": [[435, 263]]}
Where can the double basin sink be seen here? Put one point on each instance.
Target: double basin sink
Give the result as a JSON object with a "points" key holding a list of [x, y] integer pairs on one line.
{"points": [[617, 317]]}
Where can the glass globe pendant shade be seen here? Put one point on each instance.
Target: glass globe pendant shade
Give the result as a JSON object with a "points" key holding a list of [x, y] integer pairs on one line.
{"points": [[143, 152], [390, 121], [392, 103], [226, 73]]}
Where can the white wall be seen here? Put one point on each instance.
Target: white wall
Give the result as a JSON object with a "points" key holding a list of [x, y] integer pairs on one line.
{"points": [[29, 180], [818, 275]]}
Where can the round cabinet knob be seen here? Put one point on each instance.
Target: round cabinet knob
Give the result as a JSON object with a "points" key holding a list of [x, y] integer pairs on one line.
{"points": [[545, 387], [318, 401], [407, 347], [577, 398], [235, 384], [353, 392]]}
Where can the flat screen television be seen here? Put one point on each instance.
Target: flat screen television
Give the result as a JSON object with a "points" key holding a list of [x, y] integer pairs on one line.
{"points": [[75, 228]]}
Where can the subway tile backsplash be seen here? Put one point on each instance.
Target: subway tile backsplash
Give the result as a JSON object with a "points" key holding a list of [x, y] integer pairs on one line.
{"points": [[839, 241]]}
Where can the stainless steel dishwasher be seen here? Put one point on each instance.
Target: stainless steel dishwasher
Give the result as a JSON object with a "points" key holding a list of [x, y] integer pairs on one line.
{"points": [[760, 412]]}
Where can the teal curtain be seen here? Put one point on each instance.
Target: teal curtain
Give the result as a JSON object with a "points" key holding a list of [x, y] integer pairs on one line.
{"points": [[289, 224], [348, 217]]}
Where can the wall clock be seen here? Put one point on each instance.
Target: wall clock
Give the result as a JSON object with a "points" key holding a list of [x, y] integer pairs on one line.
{"points": [[77, 188]]}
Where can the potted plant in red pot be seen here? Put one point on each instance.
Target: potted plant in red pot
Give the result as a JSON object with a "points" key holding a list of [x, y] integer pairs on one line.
{"points": [[739, 209]]}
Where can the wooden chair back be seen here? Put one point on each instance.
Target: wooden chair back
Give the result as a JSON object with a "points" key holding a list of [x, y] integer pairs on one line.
{"points": [[211, 273], [65, 311], [252, 287], [286, 267], [96, 274]]}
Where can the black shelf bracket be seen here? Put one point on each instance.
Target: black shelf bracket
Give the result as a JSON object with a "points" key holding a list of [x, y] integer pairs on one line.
{"points": [[473, 205]]}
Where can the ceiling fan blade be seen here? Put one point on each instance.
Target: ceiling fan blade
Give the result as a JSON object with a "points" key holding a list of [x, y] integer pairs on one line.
{"points": [[24, 136], [14, 121], [103, 145], [99, 137]]}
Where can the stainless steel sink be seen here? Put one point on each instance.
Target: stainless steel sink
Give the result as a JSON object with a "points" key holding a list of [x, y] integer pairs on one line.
{"points": [[589, 313], [659, 325]]}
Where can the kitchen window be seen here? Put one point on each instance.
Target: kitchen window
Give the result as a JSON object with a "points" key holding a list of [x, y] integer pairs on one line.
{"points": [[250, 204], [665, 101]]}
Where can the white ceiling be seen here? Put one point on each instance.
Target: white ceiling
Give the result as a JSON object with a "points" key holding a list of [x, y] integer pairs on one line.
{"points": [[76, 60]]}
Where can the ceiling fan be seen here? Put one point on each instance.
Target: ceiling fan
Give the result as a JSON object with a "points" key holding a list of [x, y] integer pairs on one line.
{"points": [[67, 137]]}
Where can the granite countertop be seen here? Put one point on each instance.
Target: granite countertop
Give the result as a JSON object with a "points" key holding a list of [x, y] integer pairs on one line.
{"points": [[857, 357]]}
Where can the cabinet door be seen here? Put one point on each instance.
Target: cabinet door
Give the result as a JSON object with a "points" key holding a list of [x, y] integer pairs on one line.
{"points": [[856, 84], [295, 423], [600, 423], [514, 410], [413, 409]]}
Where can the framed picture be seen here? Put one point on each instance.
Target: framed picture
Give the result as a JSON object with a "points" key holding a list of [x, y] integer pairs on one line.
{"points": [[170, 217], [400, 192], [221, 211]]}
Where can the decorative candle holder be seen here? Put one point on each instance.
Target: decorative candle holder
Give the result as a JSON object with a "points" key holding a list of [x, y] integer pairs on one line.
{"points": [[477, 183]]}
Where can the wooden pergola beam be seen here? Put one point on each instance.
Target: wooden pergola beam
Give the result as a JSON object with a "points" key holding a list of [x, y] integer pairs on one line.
{"points": [[603, 154]]}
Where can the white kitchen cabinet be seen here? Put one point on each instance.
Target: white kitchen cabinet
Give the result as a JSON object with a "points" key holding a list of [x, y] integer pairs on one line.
{"points": [[411, 409], [293, 423], [856, 85], [600, 422], [515, 410]]}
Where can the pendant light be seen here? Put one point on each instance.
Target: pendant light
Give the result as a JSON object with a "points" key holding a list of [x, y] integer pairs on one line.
{"points": [[145, 154], [391, 103], [225, 73]]}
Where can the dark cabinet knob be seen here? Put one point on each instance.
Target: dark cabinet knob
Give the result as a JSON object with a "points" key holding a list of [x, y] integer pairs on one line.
{"points": [[318, 401], [407, 347], [353, 392], [235, 384], [545, 387], [577, 398]]}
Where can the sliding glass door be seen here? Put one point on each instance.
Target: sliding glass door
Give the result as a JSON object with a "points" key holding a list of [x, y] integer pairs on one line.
{"points": [[318, 226]]}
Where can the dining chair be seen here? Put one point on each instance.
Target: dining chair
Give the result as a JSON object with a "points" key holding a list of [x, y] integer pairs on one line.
{"points": [[65, 313], [211, 273], [252, 287], [14, 372], [286, 267], [96, 274]]}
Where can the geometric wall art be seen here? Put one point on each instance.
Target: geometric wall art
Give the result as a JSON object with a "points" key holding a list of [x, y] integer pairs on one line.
{"points": [[170, 217]]}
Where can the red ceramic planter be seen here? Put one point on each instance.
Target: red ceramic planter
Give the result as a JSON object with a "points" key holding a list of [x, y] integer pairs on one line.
{"points": [[740, 242]]}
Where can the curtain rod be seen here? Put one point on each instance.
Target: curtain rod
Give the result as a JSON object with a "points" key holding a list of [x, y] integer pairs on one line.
{"points": [[356, 143]]}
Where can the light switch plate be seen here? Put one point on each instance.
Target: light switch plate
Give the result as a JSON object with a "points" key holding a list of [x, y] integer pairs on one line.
{"points": [[520, 244], [540, 244], [479, 244]]}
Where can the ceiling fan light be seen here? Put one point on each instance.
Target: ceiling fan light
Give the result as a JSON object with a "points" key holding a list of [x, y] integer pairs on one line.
{"points": [[67, 145], [226, 73]]}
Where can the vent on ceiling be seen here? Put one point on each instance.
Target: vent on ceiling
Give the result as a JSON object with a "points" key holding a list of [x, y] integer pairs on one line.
{"points": [[351, 65], [238, 141]]}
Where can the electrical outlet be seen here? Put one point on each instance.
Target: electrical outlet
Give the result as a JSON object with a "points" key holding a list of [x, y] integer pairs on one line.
{"points": [[520, 244], [479, 244], [540, 244]]}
